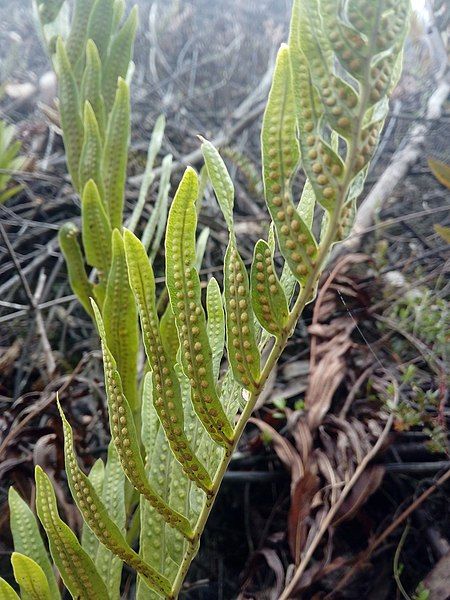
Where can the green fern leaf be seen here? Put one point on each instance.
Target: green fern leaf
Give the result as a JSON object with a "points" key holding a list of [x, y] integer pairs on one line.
{"points": [[48, 10], [96, 476], [149, 418], [216, 324], [125, 438], [27, 539], [113, 498], [280, 157], [114, 162], [78, 279], [183, 284], [269, 302], [167, 395], [243, 352], [31, 578], [76, 567], [91, 86], [169, 334], [119, 11], [69, 107], [221, 181], [120, 318], [242, 349], [6, 591], [157, 533], [77, 36], [91, 152], [96, 230], [96, 516], [119, 56], [100, 25], [152, 543]]}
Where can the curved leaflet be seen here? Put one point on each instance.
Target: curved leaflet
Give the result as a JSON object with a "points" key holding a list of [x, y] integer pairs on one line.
{"points": [[166, 387], [96, 516], [91, 86], [27, 538], [183, 284], [69, 108], [88, 540], [280, 156], [96, 230], [242, 349], [123, 431], [119, 56], [78, 279], [269, 302], [100, 23], [115, 154], [7, 592], [77, 35], [76, 567], [113, 497], [31, 578], [91, 152], [120, 319], [215, 326]]}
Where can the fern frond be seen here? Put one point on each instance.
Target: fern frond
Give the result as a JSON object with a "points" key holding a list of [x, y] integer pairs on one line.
{"points": [[125, 437], [115, 153], [30, 577], [96, 230], [183, 284], [96, 516], [166, 388], [269, 302], [100, 23], [119, 56], [91, 86], [27, 538], [6, 591], [69, 108], [79, 282], [112, 495], [90, 166], [88, 540], [74, 564]]}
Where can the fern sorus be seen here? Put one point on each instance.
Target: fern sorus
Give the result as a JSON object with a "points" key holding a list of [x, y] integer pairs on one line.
{"points": [[173, 433]]}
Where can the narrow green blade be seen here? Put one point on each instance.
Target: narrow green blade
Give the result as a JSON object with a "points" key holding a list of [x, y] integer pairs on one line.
{"points": [[76, 567], [27, 538], [31, 578]]}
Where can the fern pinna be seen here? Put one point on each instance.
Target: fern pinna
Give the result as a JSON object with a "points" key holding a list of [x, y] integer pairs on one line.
{"points": [[171, 442]]}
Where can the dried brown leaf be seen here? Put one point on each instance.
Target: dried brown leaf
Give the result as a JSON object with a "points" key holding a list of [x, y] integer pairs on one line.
{"points": [[301, 503]]}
